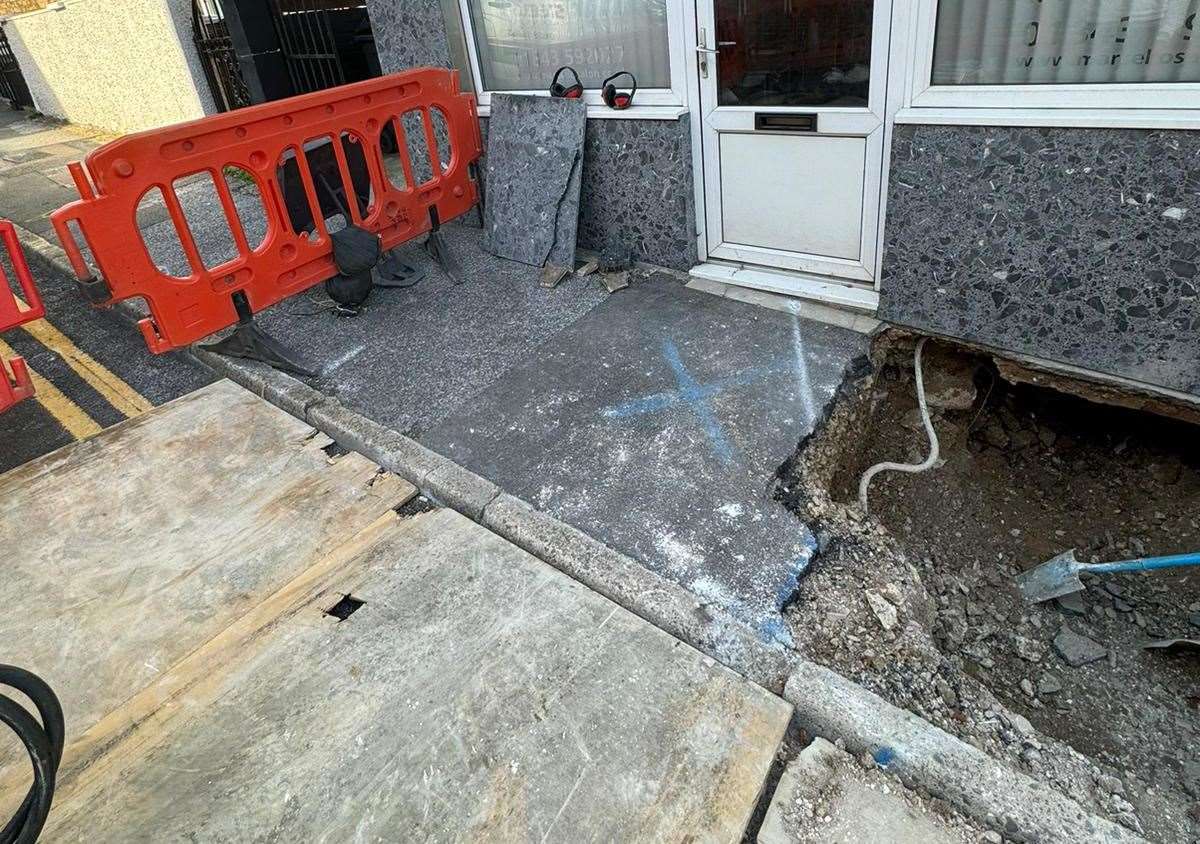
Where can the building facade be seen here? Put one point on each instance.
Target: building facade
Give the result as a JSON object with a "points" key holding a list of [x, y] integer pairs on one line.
{"points": [[1018, 175]]}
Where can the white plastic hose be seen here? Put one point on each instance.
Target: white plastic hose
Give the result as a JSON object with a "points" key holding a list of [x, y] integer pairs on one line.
{"points": [[912, 468]]}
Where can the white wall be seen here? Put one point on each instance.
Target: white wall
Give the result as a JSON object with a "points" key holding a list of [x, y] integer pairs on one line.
{"points": [[118, 65]]}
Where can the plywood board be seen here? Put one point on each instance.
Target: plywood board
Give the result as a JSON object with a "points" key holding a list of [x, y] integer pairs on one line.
{"points": [[126, 552], [478, 694]]}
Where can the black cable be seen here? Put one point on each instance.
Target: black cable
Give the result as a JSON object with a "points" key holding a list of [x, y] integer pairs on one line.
{"points": [[44, 744]]}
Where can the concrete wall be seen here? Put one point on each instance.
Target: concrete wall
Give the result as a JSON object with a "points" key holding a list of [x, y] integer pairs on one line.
{"points": [[118, 65], [637, 174], [1073, 245]]}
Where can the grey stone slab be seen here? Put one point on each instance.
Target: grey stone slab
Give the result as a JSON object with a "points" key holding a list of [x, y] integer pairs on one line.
{"points": [[409, 33], [656, 425], [126, 551], [1077, 650], [533, 178], [523, 207], [637, 189], [1080, 246], [924, 756], [637, 174], [477, 694]]}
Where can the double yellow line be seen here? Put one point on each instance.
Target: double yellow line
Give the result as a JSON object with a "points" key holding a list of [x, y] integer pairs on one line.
{"points": [[69, 414]]}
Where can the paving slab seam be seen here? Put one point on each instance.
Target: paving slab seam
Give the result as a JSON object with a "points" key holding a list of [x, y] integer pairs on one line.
{"points": [[826, 703]]}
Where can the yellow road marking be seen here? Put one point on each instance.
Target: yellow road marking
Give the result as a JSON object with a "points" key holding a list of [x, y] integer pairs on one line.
{"points": [[115, 391], [70, 415]]}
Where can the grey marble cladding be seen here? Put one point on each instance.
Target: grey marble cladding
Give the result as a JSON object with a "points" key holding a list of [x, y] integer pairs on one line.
{"points": [[1073, 245], [533, 178], [409, 33], [637, 174], [637, 187]]}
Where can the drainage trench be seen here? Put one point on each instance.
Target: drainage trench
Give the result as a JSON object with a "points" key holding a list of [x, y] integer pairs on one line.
{"points": [[918, 601]]}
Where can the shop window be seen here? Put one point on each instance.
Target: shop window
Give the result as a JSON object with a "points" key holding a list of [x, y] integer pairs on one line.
{"points": [[517, 45], [520, 43], [1020, 42], [1106, 62]]}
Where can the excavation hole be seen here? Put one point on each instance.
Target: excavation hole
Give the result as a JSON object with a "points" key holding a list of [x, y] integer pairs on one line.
{"points": [[1027, 472]]}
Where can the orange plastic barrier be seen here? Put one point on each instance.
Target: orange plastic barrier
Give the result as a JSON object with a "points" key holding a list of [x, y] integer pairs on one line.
{"points": [[15, 383], [341, 150]]}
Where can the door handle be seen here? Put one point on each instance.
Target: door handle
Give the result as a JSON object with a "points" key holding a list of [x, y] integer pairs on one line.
{"points": [[704, 51]]}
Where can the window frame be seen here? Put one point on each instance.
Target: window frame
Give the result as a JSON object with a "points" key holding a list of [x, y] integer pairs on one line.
{"points": [[1087, 103], [650, 103]]}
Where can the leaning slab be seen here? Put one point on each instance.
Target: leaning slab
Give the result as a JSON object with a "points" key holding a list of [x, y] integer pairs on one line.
{"points": [[534, 174], [477, 694]]}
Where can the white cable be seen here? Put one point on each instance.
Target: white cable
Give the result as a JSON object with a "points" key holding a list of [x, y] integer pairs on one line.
{"points": [[911, 468]]}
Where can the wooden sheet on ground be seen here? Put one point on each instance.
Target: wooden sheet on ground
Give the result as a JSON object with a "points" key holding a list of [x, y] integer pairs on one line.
{"points": [[477, 694], [124, 553]]}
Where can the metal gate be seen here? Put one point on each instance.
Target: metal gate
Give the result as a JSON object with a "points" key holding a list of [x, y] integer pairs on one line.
{"points": [[12, 82], [217, 54], [325, 42]]}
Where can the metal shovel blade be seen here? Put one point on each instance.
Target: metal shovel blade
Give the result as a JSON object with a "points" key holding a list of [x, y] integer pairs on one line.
{"points": [[1054, 578]]}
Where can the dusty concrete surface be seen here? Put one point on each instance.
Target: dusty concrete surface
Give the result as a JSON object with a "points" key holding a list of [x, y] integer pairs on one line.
{"points": [[656, 424], [477, 694], [126, 551], [918, 603], [826, 796], [414, 356]]}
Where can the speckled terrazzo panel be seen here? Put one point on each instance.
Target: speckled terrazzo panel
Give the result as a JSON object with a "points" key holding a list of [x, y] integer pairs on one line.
{"points": [[637, 185], [637, 174], [409, 33], [533, 179], [1073, 245]]}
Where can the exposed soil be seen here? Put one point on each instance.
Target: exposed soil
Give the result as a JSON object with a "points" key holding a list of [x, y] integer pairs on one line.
{"points": [[918, 601]]}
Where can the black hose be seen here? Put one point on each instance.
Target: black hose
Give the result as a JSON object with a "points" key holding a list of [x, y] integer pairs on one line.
{"points": [[44, 744]]}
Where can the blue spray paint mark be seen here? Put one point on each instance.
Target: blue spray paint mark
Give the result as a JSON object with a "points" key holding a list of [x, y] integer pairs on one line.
{"points": [[773, 628], [884, 756], [691, 391], [697, 396]]}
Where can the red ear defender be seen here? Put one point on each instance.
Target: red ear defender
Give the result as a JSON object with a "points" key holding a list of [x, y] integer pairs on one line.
{"points": [[571, 92], [613, 98]]}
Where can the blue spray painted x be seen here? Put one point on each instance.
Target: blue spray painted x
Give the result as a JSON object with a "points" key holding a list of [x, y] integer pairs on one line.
{"points": [[696, 396]]}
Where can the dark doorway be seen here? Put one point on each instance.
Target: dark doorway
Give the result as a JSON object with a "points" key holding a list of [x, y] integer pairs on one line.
{"points": [[217, 54], [325, 42], [259, 50], [12, 82]]}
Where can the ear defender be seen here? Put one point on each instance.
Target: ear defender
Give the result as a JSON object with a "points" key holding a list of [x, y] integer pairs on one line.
{"points": [[620, 100], [571, 92]]}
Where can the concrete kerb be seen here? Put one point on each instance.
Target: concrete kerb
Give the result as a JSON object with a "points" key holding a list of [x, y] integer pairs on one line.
{"points": [[826, 703]]}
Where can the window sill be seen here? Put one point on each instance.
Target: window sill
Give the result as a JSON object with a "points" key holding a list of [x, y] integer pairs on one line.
{"points": [[635, 112], [1080, 118]]}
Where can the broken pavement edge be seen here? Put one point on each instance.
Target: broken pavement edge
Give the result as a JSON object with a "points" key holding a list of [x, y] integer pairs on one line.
{"points": [[826, 703]]}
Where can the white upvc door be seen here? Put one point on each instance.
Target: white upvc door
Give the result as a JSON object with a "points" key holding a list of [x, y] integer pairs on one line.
{"points": [[792, 110]]}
